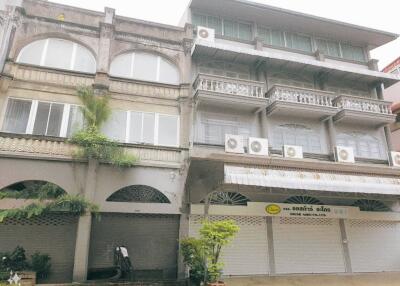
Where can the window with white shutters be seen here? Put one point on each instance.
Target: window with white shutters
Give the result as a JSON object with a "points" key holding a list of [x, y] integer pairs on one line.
{"points": [[364, 146], [296, 134]]}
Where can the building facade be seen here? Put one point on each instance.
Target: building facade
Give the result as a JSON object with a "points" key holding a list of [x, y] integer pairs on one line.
{"points": [[272, 118]]}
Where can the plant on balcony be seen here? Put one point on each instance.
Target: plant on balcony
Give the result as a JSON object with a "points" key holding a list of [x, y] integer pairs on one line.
{"points": [[202, 254], [94, 144], [46, 198]]}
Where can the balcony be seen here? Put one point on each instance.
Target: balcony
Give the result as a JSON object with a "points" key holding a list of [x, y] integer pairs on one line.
{"points": [[363, 111], [229, 92], [285, 100]]}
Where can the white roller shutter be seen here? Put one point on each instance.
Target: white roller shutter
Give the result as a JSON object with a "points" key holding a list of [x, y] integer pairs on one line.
{"points": [[307, 245], [248, 253], [373, 245]]}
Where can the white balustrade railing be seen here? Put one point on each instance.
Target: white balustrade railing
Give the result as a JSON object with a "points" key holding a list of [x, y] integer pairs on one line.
{"points": [[363, 104], [227, 85], [300, 95]]}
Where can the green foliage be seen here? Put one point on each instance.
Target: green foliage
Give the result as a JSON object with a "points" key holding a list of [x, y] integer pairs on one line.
{"points": [[202, 255], [41, 264], [94, 144], [96, 109], [37, 190], [17, 261]]}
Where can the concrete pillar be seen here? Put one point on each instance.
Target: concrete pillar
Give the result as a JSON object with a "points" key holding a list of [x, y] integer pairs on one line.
{"points": [[388, 133], [183, 233], [331, 134], [345, 245], [185, 108], [82, 243]]}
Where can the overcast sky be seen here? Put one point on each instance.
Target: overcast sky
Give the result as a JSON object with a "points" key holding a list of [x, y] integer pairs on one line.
{"points": [[382, 14]]}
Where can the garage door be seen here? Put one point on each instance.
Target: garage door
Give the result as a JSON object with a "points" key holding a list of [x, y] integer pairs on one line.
{"points": [[248, 252], [53, 234], [151, 240], [373, 245], [307, 245]]}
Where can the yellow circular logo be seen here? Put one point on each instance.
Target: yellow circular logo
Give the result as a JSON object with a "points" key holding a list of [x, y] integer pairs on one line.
{"points": [[273, 209]]}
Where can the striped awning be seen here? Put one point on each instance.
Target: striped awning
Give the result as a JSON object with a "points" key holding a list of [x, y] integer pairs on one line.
{"points": [[307, 180]]}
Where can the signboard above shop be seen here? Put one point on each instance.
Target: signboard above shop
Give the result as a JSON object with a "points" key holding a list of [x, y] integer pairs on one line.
{"points": [[294, 210]]}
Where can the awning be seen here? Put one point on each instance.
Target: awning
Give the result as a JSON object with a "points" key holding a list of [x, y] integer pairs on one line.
{"points": [[307, 180]]}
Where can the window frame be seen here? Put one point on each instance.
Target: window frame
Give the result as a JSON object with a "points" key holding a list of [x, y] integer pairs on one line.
{"points": [[340, 43], [33, 113], [72, 63]]}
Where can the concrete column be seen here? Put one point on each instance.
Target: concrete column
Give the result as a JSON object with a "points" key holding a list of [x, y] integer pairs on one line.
{"points": [[183, 233], [185, 108], [271, 249], [388, 133], [82, 243], [331, 134]]}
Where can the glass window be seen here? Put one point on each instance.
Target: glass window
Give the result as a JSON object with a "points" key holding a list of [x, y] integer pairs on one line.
{"points": [[167, 130], [168, 72], [295, 134], [277, 38], [199, 20], [145, 66], [329, 48], [215, 23], [230, 29], [48, 119], [244, 31], [58, 53], [364, 146], [75, 120], [264, 34], [32, 53], [353, 53], [17, 115], [148, 128], [135, 132], [115, 127], [298, 42]]}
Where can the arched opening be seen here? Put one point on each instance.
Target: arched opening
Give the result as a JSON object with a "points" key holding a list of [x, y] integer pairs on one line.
{"points": [[299, 200], [227, 198], [145, 66], [371, 206], [138, 194], [32, 189], [58, 53]]}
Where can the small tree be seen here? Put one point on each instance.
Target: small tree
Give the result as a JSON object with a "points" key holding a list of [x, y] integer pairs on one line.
{"points": [[202, 255], [95, 145]]}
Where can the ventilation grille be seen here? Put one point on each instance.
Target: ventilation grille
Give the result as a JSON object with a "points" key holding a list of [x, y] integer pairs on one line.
{"points": [[53, 219], [373, 224], [305, 221], [141, 215], [240, 220]]}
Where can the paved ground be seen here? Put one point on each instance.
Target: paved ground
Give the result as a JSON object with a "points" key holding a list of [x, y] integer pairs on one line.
{"points": [[370, 279]]}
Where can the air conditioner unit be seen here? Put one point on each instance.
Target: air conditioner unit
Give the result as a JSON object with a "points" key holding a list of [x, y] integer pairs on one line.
{"points": [[291, 151], [205, 34], [234, 144], [344, 154], [395, 159], [258, 146]]}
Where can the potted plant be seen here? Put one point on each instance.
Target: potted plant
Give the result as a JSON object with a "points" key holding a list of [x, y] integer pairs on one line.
{"points": [[202, 254]]}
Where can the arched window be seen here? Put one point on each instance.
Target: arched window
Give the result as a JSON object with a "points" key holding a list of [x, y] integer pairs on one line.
{"points": [[371, 206], [364, 146], [300, 200], [144, 66], [138, 194], [58, 53], [227, 198], [296, 134]]}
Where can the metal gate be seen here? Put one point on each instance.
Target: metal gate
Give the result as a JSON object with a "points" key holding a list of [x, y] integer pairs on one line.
{"points": [[373, 245], [151, 240], [307, 245], [248, 252]]}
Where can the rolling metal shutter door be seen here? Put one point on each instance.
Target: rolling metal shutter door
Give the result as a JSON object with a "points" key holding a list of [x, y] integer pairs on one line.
{"points": [[307, 245], [151, 240], [53, 234], [248, 252], [373, 245]]}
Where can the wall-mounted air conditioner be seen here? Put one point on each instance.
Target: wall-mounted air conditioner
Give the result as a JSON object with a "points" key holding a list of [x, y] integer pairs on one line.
{"points": [[258, 146], [234, 144], [394, 159], [205, 34], [292, 151], [344, 154]]}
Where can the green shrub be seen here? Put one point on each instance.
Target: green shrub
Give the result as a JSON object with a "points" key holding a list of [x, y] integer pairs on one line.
{"points": [[15, 261], [40, 263]]}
